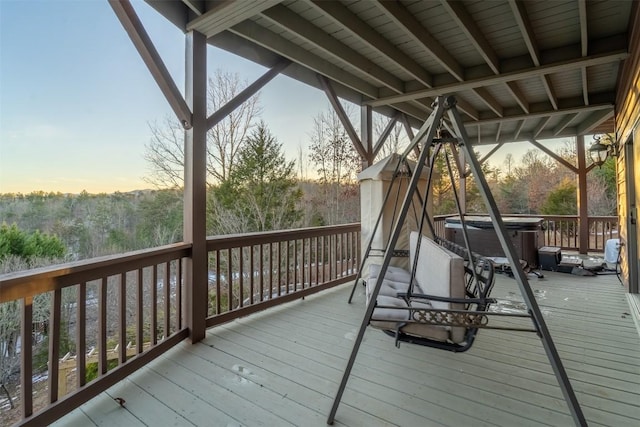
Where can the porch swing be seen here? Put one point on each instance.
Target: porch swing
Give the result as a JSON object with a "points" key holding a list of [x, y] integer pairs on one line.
{"points": [[457, 280], [443, 299]]}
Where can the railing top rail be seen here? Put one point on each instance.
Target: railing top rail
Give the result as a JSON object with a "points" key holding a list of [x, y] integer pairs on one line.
{"points": [[28, 283], [591, 217], [248, 239]]}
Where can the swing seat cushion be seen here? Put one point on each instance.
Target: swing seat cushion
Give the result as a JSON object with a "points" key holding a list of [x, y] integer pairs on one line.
{"points": [[396, 317], [396, 280], [439, 272]]}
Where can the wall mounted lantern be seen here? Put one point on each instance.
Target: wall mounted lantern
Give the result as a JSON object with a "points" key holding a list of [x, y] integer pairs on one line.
{"points": [[603, 146]]}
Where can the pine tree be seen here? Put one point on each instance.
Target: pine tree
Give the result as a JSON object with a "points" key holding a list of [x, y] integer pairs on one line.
{"points": [[261, 192]]}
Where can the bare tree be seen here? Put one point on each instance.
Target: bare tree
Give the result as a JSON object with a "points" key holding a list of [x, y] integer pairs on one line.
{"points": [[165, 150], [225, 139], [509, 162], [337, 164]]}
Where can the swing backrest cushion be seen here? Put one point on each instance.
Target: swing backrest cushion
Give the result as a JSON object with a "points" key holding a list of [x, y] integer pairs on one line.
{"points": [[439, 271]]}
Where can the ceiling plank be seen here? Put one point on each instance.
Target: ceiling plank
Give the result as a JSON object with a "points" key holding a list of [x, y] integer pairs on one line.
{"points": [[351, 22], [404, 19], [522, 18], [567, 65], [290, 21], [472, 31], [517, 94], [489, 100], [283, 47]]}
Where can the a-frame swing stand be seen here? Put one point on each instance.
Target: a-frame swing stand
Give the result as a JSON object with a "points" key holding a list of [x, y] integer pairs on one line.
{"points": [[424, 139]]}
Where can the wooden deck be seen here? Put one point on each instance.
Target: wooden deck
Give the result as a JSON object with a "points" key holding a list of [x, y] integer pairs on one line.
{"points": [[282, 367]]}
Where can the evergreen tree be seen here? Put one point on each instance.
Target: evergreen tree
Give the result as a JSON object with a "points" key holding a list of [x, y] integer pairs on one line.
{"points": [[28, 246], [562, 200], [261, 192]]}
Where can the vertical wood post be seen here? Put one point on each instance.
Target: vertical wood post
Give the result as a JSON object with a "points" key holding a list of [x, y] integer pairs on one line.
{"points": [[366, 134], [583, 221], [195, 186]]}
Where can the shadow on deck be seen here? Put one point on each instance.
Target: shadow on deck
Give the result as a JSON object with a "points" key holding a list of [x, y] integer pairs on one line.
{"points": [[282, 367]]}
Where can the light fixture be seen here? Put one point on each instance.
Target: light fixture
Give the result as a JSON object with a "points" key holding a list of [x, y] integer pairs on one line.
{"points": [[603, 146]]}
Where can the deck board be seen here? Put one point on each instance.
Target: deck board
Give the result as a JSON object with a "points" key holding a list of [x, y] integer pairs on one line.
{"points": [[283, 367]]}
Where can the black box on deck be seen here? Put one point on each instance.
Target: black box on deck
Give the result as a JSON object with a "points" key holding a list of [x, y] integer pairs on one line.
{"points": [[549, 257]]}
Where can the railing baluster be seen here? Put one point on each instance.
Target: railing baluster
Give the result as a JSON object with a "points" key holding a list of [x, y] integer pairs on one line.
{"points": [[122, 321], [81, 335], [154, 305], [102, 328], [252, 271], [179, 290], [54, 344], [310, 262], [295, 265], [167, 299], [279, 268], [229, 280], [270, 270], [261, 269], [139, 313], [26, 357], [316, 261], [303, 261], [335, 256], [241, 277], [288, 273], [322, 258]]}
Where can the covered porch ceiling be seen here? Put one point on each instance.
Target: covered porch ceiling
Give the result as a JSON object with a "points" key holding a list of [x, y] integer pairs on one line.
{"points": [[520, 70]]}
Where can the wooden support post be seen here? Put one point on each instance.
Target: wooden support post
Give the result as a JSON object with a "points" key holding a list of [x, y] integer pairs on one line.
{"points": [[195, 187], [366, 134], [583, 221]]}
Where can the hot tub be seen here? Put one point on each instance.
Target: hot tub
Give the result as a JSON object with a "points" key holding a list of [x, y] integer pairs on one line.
{"points": [[525, 233]]}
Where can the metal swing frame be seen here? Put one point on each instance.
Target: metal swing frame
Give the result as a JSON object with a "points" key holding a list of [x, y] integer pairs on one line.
{"points": [[425, 137]]}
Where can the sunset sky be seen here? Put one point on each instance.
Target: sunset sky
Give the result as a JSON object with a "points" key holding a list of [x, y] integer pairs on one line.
{"points": [[76, 100]]}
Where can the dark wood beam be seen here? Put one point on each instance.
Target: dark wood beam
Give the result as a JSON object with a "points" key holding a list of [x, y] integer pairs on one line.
{"points": [[522, 74], [342, 116], [141, 40], [247, 93]]}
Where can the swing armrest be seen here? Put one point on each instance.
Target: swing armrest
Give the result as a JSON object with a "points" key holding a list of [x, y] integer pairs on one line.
{"points": [[404, 296]]}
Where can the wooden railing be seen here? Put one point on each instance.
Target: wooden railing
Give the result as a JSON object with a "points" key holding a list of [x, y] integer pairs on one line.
{"points": [[563, 230], [251, 272], [105, 318]]}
